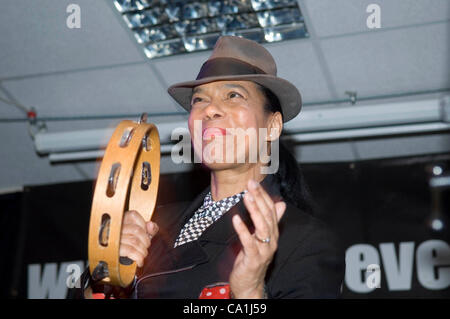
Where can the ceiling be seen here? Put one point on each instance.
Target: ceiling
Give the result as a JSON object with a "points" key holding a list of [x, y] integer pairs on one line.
{"points": [[100, 70]]}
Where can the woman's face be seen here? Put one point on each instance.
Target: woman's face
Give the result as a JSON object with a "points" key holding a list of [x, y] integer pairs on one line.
{"points": [[228, 123]]}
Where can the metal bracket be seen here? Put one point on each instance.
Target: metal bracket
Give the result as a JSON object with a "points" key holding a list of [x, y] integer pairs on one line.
{"points": [[444, 104], [143, 118], [352, 95]]}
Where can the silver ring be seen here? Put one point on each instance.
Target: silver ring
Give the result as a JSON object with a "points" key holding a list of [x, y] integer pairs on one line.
{"points": [[264, 241]]}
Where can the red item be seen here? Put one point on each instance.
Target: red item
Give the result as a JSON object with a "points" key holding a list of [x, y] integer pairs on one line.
{"points": [[31, 114], [100, 295], [216, 291]]}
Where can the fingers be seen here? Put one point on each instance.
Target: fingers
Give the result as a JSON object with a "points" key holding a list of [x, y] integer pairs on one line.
{"points": [[262, 227], [133, 217], [131, 252], [264, 198], [263, 201], [247, 240], [280, 208], [265, 215], [132, 246], [263, 204], [136, 237], [152, 228]]}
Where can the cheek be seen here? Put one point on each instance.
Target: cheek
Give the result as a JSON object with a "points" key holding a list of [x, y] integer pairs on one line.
{"points": [[195, 131], [246, 145], [190, 124], [250, 121], [244, 119], [193, 122]]}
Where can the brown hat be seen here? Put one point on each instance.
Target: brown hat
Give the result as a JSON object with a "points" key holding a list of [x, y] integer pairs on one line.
{"points": [[239, 59]]}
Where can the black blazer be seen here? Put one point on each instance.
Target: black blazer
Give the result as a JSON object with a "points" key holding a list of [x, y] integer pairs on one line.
{"points": [[307, 264]]}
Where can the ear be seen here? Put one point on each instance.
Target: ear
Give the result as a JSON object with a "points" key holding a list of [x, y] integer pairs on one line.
{"points": [[274, 127]]}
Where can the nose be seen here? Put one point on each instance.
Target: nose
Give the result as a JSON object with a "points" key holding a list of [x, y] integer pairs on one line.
{"points": [[213, 112]]}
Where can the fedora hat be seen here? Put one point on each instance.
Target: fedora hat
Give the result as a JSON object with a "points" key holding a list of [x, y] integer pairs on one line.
{"points": [[239, 59]]}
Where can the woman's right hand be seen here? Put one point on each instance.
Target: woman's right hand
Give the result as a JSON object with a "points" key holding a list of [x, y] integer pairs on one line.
{"points": [[136, 237]]}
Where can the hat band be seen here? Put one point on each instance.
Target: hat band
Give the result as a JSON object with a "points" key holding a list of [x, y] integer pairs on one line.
{"points": [[227, 66]]}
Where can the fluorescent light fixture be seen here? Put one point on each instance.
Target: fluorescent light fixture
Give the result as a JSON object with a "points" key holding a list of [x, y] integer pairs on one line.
{"points": [[169, 27], [93, 140], [92, 155], [369, 132], [366, 116], [313, 125]]}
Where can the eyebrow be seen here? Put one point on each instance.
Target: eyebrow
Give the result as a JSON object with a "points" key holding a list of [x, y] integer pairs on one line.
{"points": [[197, 90], [228, 85], [236, 86]]}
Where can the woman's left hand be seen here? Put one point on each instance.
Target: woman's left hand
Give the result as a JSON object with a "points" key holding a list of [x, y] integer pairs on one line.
{"points": [[249, 270]]}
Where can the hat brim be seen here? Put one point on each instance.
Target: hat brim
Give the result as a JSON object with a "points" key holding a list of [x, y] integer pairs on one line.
{"points": [[287, 94]]}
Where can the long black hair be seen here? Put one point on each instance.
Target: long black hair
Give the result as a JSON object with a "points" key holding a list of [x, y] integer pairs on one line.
{"points": [[292, 183]]}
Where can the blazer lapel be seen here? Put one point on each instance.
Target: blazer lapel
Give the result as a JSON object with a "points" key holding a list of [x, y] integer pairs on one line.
{"points": [[175, 227], [222, 231], [163, 257]]}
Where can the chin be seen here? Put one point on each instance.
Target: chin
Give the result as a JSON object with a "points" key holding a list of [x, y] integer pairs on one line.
{"points": [[215, 156], [221, 163], [220, 166]]}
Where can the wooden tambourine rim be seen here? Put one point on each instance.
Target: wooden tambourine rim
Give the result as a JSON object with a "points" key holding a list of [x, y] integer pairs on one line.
{"points": [[128, 195]]}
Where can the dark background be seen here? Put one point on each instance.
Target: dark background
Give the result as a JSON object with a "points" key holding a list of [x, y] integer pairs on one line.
{"points": [[368, 202]]}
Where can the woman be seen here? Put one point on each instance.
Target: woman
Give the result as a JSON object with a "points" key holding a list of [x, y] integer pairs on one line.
{"points": [[250, 233]]}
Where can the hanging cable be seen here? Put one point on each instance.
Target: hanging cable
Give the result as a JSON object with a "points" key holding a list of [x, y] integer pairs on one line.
{"points": [[18, 105]]}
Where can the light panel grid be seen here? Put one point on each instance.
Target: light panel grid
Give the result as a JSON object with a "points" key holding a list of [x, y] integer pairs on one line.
{"points": [[170, 27]]}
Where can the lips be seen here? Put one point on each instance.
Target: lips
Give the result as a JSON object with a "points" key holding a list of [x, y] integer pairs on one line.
{"points": [[213, 131]]}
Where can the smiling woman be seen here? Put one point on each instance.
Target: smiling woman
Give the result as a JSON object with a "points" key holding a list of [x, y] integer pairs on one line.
{"points": [[250, 234], [232, 107]]}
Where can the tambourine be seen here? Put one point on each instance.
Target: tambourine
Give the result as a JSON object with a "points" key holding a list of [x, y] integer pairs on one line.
{"points": [[127, 180]]}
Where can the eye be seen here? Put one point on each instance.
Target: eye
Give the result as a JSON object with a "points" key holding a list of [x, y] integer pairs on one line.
{"points": [[196, 99], [234, 94]]}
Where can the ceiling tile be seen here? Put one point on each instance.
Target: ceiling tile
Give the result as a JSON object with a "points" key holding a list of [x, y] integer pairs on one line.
{"points": [[297, 61], [335, 17], [35, 37], [180, 68], [128, 89], [390, 62]]}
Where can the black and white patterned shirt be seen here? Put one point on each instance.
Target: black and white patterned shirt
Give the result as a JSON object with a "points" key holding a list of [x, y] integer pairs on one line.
{"points": [[205, 216]]}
